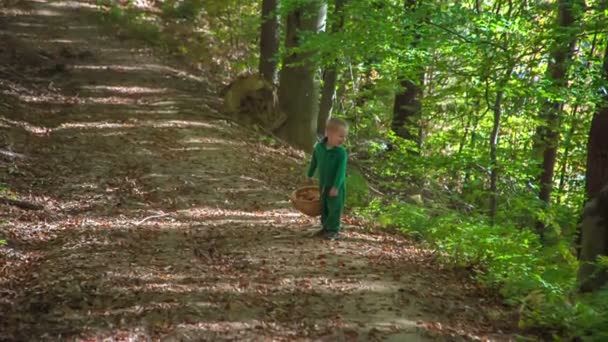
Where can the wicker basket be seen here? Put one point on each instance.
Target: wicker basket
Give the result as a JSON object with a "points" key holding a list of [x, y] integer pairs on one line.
{"points": [[310, 208]]}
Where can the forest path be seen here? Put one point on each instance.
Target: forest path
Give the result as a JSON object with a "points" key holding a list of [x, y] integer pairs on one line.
{"points": [[162, 223]]}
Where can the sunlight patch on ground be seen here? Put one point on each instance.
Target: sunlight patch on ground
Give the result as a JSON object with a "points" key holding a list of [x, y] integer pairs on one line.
{"points": [[64, 41], [137, 309], [211, 141], [26, 126], [247, 178], [89, 186], [125, 89], [71, 4], [132, 124], [88, 242], [239, 222], [119, 334], [218, 288], [155, 111], [112, 134], [244, 190], [189, 149], [28, 36], [81, 27], [112, 67], [376, 286], [113, 100], [45, 99], [208, 212], [93, 125], [221, 326], [49, 13], [22, 24], [177, 123]]}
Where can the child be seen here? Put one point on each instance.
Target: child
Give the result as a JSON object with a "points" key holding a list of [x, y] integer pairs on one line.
{"points": [[330, 158]]}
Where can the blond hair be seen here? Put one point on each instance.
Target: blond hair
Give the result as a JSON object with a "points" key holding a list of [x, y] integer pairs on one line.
{"points": [[334, 123]]}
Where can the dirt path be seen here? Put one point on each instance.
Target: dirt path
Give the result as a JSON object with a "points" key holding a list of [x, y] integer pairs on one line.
{"points": [[162, 224]]}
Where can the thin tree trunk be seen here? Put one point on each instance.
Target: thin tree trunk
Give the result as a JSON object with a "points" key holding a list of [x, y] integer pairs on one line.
{"points": [[494, 154], [408, 105], [269, 41], [557, 70], [406, 109], [473, 141], [567, 148], [298, 88], [497, 109], [328, 96], [328, 93], [463, 140]]}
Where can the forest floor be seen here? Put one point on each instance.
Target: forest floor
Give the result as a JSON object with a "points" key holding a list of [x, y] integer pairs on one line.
{"points": [[161, 222]]}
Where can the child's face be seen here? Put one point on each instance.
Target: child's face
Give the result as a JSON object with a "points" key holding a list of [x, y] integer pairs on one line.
{"points": [[336, 136]]}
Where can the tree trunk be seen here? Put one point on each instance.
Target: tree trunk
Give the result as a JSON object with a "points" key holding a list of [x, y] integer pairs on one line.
{"points": [[497, 109], [597, 154], [298, 87], [557, 70], [567, 150], [406, 109], [269, 41], [574, 126], [328, 94], [594, 227], [597, 148], [407, 105], [593, 237], [494, 154]]}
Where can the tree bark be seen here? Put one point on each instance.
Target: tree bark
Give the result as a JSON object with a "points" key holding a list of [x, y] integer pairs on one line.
{"points": [[328, 95], [593, 235], [494, 153], [298, 87], [330, 76], [269, 41], [557, 70], [594, 243], [497, 109], [408, 105], [406, 109], [597, 147], [597, 154], [567, 150]]}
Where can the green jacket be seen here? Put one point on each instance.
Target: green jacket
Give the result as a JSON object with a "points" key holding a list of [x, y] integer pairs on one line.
{"points": [[331, 164]]}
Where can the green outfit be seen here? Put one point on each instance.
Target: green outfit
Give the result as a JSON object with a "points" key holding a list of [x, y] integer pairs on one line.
{"points": [[331, 163]]}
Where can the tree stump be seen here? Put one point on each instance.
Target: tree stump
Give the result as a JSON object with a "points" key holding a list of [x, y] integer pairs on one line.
{"points": [[253, 100]]}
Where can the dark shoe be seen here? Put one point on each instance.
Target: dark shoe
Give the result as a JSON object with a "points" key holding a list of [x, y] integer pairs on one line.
{"points": [[332, 236], [319, 233]]}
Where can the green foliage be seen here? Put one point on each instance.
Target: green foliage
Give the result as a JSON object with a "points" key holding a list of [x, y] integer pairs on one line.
{"points": [[538, 280], [357, 189], [189, 10], [194, 30], [136, 23]]}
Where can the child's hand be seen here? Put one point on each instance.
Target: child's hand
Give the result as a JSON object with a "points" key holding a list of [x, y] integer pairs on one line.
{"points": [[333, 192]]}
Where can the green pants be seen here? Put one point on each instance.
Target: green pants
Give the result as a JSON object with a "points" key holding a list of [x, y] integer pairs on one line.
{"points": [[331, 210]]}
